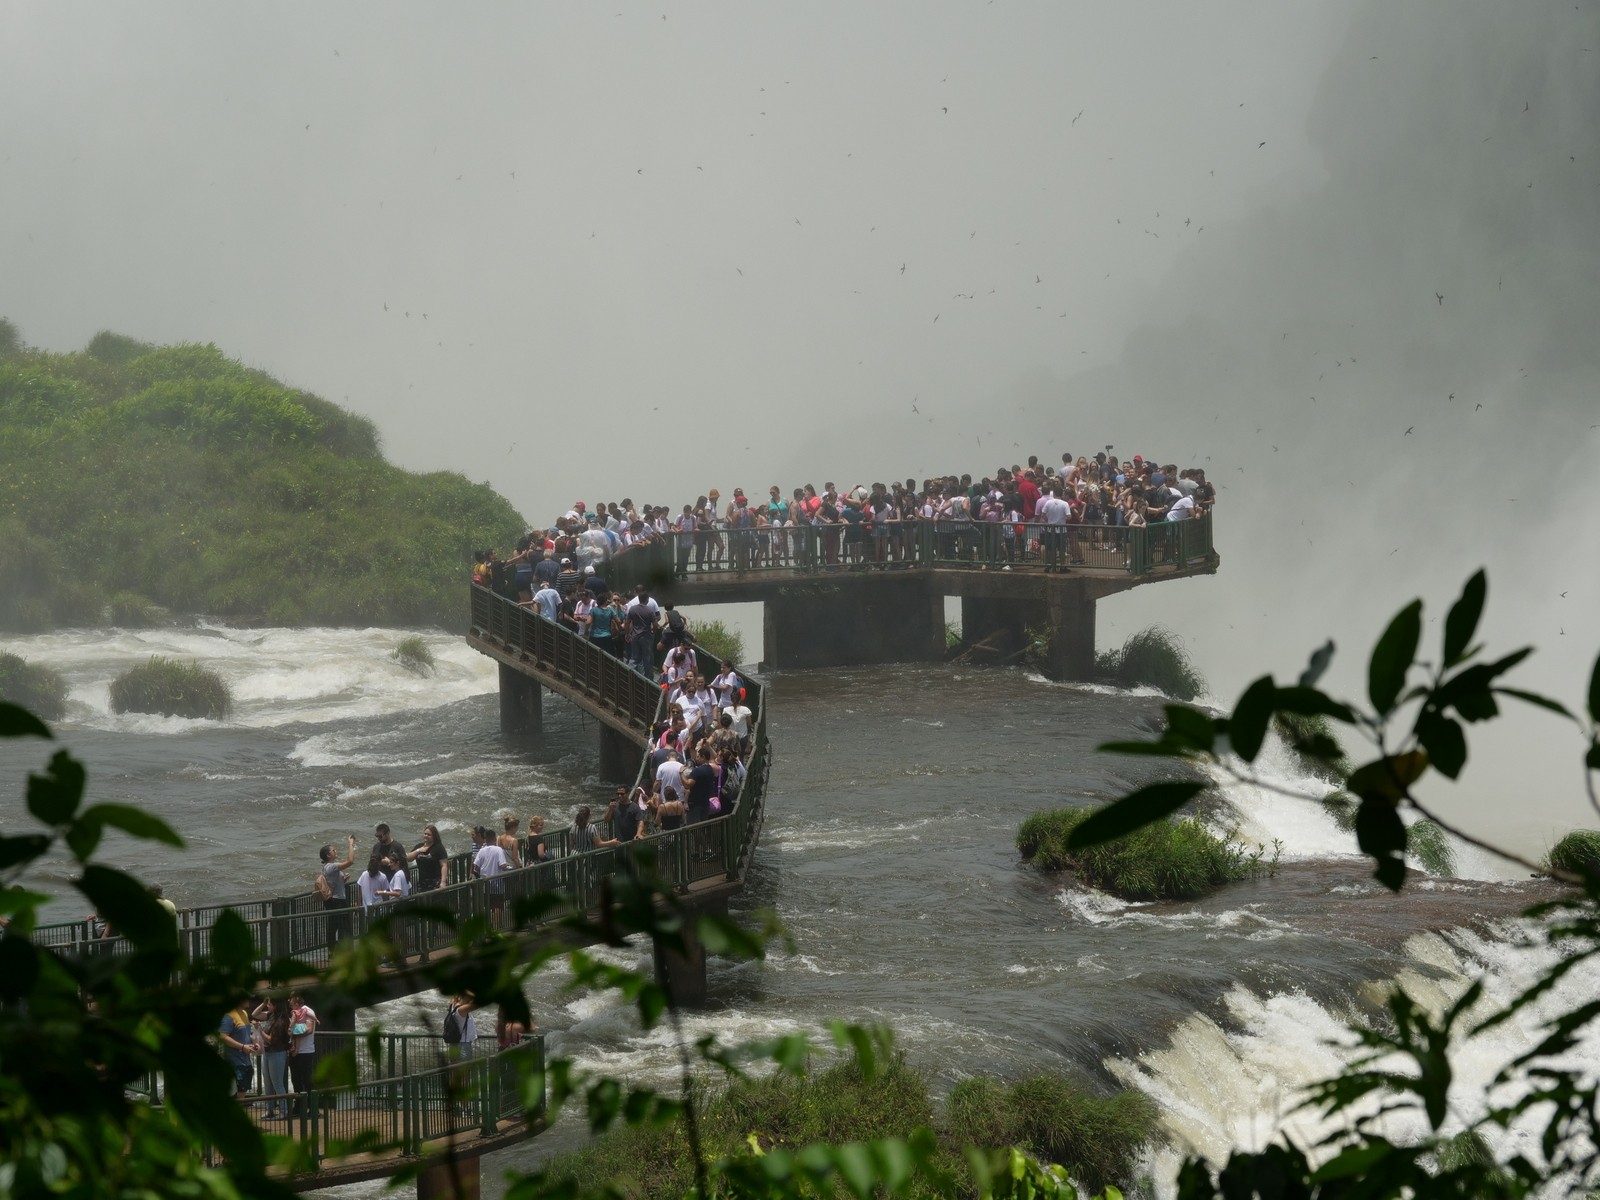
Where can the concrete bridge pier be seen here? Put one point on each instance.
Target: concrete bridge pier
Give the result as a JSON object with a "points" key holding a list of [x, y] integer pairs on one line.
{"points": [[521, 707], [684, 975], [853, 619], [619, 756], [1065, 618]]}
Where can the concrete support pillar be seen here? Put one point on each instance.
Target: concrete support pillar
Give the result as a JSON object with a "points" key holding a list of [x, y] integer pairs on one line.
{"points": [[455, 1178], [521, 710], [619, 756], [854, 619], [1000, 626], [683, 975], [1071, 611]]}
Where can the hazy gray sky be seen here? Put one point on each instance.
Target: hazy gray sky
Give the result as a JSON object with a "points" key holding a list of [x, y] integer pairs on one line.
{"points": [[581, 251]]}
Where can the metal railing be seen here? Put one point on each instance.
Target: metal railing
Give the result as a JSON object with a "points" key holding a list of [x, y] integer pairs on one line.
{"points": [[475, 1094], [302, 927], [921, 543]]}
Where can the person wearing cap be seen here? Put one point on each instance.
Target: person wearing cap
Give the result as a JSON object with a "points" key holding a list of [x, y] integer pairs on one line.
{"points": [[567, 579], [548, 601]]}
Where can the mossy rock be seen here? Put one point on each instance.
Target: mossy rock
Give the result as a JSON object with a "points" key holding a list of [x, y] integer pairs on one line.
{"points": [[1578, 852], [171, 689], [37, 688]]}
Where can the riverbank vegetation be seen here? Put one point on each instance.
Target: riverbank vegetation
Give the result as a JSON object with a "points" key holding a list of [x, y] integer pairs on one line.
{"points": [[1165, 860], [171, 689], [1097, 1138], [33, 687], [1153, 657], [142, 478]]}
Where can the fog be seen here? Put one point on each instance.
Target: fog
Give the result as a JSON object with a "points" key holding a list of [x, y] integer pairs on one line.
{"points": [[1343, 255]]}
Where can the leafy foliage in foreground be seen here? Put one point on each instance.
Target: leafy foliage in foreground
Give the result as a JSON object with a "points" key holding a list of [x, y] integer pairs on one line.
{"points": [[1153, 657], [32, 686], [1414, 717], [1165, 860], [208, 487], [171, 689]]}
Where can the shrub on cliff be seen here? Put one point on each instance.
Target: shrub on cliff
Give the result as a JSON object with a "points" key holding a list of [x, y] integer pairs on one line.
{"points": [[717, 643], [32, 686], [1578, 852], [172, 689]]}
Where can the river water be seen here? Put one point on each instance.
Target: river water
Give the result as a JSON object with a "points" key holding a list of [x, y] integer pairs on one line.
{"points": [[888, 853]]}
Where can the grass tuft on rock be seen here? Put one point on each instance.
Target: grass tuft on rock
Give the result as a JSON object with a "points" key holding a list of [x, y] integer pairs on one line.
{"points": [[33, 687], [1097, 1138], [1426, 843], [1578, 852], [171, 689], [1169, 860], [716, 641], [413, 654], [1153, 657], [128, 610]]}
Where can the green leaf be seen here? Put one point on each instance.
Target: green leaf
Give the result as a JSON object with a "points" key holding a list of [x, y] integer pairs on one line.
{"points": [[19, 967], [134, 821], [1444, 741], [1147, 805], [232, 947], [1381, 834], [1320, 658], [1189, 727], [855, 1168], [16, 721], [1392, 657], [1247, 726], [1594, 692], [1462, 620], [1387, 778], [55, 795], [25, 848], [129, 907], [1309, 702], [1592, 759]]}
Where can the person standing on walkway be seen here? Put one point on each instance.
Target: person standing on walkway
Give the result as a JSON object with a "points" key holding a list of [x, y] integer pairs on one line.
{"points": [[274, 1017], [428, 860], [302, 1052], [338, 899], [641, 614], [239, 1047]]}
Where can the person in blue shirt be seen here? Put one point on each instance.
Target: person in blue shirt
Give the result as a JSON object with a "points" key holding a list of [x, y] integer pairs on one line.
{"points": [[239, 1045]]}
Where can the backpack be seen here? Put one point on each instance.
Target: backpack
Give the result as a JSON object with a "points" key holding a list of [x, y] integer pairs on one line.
{"points": [[321, 888], [452, 1026]]}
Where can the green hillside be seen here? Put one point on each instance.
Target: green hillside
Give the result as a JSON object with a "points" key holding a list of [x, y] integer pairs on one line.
{"points": [[132, 474]]}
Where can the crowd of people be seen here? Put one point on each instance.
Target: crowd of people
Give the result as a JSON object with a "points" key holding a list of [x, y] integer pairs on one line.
{"points": [[1034, 511]]}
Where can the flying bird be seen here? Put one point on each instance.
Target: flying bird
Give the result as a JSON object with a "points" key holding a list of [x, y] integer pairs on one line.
{"points": [[1074, 120], [1451, 396], [1407, 433], [1259, 145], [943, 108], [1480, 406], [936, 318], [1439, 298]]}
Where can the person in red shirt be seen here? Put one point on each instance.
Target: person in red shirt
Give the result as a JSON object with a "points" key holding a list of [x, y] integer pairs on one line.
{"points": [[1029, 491]]}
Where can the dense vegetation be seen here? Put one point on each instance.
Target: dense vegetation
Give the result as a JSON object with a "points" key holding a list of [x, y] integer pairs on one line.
{"points": [[1153, 657], [178, 477], [172, 689], [1165, 860], [717, 642], [1097, 1138], [33, 687], [413, 654]]}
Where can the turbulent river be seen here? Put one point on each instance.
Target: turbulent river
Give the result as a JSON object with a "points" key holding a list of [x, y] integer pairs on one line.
{"points": [[888, 853]]}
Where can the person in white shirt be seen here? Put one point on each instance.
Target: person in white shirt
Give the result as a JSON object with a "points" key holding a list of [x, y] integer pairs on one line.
{"points": [[725, 687], [670, 775], [741, 725], [371, 885], [399, 888], [1182, 508], [489, 863]]}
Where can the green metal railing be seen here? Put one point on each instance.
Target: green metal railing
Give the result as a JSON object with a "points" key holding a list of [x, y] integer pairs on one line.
{"points": [[299, 926], [812, 549], [402, 1113]]}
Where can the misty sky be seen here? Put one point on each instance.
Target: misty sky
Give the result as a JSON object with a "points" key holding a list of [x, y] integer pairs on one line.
{"points": [[582, 251]]}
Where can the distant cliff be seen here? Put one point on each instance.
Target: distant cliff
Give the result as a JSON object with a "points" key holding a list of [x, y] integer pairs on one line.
{"points": [[134, 476]]}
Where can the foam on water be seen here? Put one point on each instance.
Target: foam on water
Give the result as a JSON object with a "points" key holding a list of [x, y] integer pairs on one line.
{"points": [[1237, 1083], [277, 676]]}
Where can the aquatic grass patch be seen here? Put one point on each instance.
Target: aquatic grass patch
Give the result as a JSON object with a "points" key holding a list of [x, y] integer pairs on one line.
{"points": [[128, 610], [1166, 860], [171, 689], [34, 687], [413, 654], [716, 640], [1578, 852], [1098, 1138], [1153, 657]]}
